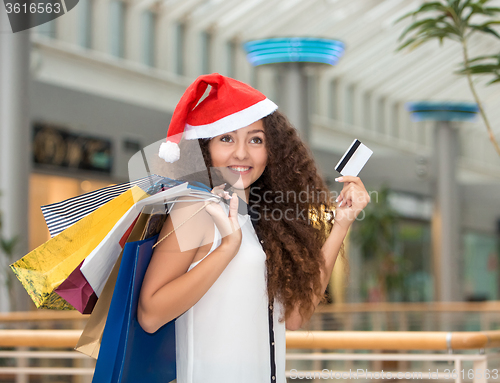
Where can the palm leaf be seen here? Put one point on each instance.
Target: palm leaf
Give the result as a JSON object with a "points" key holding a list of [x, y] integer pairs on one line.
{"points": [[421, 23], [407, 43], [492, 22], [425, 34], [484, 29], [491, 11], [474, 9], [426, 7], [453, 29], [464, 5], [440, 33], [455, 6], [478, 9], [490, 57], [494, 81], [480, 69]]}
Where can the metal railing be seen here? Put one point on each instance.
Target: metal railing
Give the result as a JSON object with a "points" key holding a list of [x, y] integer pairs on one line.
{"points": [[373, 341], [430, 316], [324, 355]]}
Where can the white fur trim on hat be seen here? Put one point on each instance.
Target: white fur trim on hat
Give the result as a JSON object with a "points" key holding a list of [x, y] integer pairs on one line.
{"points": [[169, 151], [232, 122]]}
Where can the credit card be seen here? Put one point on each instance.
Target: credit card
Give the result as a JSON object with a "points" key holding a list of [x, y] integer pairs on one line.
{"points": [[354, 159]]}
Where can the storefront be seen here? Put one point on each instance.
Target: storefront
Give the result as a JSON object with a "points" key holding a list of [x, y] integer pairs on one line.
{"points": [[46, 189], [79, 143]]}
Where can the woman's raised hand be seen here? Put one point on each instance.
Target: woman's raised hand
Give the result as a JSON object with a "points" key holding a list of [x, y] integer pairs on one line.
{"points": [[352, 200], [228, 226]]}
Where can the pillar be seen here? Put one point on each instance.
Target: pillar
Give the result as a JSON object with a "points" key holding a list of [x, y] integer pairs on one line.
{"points": [[15, 151], [294, 94], [445, 225], [445, 219]]}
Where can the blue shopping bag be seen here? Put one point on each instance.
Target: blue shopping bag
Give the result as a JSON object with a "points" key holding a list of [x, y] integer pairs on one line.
{"points": [[128, 354]]}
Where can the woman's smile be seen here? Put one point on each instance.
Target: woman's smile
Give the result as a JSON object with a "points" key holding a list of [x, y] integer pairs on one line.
{"points": [[238, 169]]}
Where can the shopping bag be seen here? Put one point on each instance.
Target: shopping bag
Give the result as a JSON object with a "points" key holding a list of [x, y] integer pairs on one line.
{"points": [[147, 225], [61, 215], [98, 264], [76, 290], [89, 342], [45, 268], [128, 354]]}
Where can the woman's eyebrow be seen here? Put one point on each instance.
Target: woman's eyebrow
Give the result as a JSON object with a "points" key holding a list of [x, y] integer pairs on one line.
{"points": [[255, 131]]}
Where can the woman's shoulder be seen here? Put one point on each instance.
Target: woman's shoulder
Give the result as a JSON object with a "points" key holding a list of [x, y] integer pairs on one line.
{"points": [[188, 215]]}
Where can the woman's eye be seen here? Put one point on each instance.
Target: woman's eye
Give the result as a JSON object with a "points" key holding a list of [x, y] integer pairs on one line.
{"points": [[256, 140], [226, 139]]}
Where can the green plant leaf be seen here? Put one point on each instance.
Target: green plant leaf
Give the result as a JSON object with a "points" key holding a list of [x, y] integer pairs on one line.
{"points": [[485, 30], [493, 81], [488, 23], [426, 7], [453, 29], [455, 6], [480, 69], [451, 23], [478, 9], [473, 10], [480, 58], [421, 23], [438, 33], [428, 35], [491, 11], [465, 4], [406, 44]]}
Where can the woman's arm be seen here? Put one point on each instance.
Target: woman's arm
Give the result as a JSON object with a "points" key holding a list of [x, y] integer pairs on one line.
{"points": [[168, 290], [351, 201]]}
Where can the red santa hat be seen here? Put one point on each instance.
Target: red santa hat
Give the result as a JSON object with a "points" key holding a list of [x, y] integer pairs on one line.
{"points": [[230, 105]]}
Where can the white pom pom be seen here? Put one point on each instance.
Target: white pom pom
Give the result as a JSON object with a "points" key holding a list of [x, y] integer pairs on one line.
{"points": [[169, 151]]}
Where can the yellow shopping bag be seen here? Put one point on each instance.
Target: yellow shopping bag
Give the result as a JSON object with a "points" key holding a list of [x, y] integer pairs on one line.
{"points": [[45, 268]]}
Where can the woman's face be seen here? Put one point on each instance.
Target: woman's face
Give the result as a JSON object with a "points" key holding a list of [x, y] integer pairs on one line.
{"points": [[240, 155]]}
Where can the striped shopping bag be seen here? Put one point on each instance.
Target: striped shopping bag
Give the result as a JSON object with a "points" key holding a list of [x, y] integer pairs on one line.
{"points": [[61, 215]]}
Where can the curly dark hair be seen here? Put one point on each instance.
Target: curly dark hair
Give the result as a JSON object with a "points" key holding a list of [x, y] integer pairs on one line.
{"points": [[292, 244]]}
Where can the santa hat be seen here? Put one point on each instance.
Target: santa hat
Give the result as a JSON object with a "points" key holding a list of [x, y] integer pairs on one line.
{"points": [[230, 105]]}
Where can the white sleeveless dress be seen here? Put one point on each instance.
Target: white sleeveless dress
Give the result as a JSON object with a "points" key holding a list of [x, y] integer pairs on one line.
{"points": [[224, 337]]}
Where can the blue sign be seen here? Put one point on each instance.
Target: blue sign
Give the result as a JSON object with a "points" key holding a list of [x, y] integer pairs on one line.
{"points": [[442, 110], [294, 49]]}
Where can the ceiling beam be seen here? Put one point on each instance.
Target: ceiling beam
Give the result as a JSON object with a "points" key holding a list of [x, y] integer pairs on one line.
{"points": [[356, 59], [301, 24], [209, 17], [180, 9], [231, 28], [259, 31]]}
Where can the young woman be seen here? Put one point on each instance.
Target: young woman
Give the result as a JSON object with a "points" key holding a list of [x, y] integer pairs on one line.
{"points": [[238, 275]]}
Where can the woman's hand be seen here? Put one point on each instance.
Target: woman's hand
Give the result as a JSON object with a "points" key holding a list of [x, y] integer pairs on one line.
{"points": [[352, 199], [228, 226]]}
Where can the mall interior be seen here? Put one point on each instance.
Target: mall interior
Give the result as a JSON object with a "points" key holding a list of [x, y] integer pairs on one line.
{"points": [[83, 93]]}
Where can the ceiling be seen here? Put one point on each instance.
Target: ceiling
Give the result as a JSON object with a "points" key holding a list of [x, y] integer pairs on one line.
{"points": [[368, 29]]}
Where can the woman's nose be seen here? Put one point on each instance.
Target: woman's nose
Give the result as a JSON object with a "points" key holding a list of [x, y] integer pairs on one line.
{"points": [[241, 151]]}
